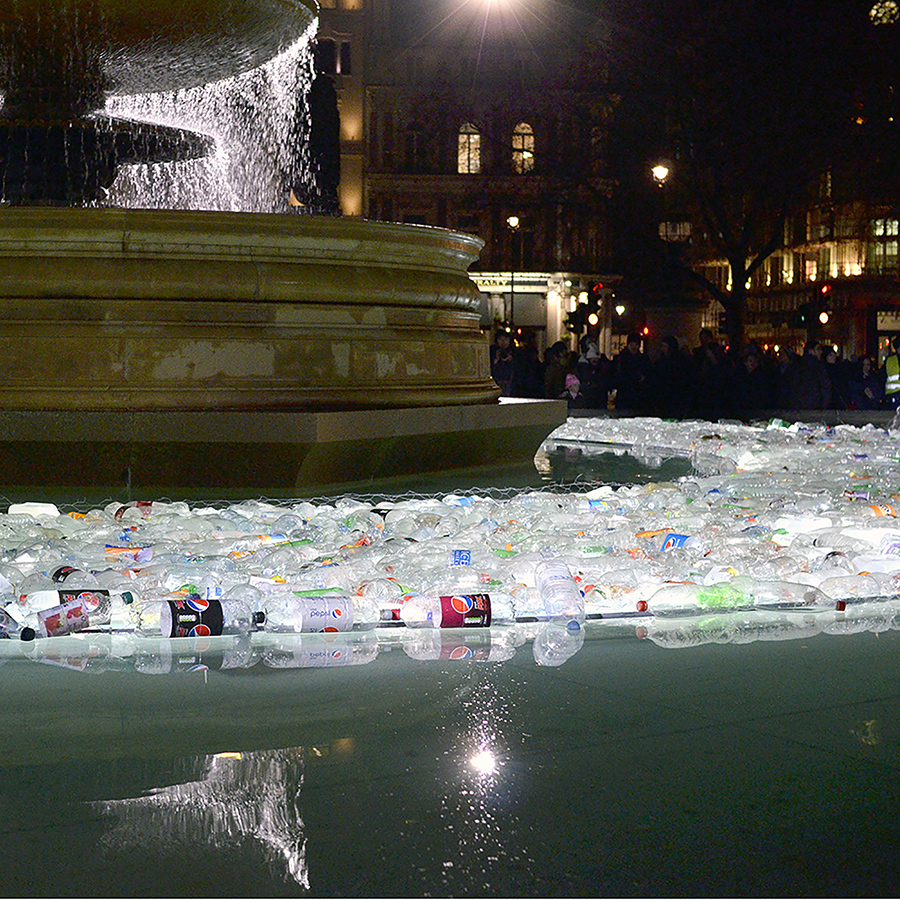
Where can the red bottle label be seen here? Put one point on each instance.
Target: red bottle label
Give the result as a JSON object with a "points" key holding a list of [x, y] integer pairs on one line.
{"points": [[466, 611]]}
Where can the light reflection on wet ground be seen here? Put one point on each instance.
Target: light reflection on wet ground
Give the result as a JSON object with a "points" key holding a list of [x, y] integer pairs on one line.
{"points": [[632, 769]]}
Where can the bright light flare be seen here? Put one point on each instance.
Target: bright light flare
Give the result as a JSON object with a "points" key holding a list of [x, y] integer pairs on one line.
{"points": [[660, 173], [484, 762]]}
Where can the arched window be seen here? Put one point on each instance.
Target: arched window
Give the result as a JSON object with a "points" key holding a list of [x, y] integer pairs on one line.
{"points": [[523, 148], [468, 156]]}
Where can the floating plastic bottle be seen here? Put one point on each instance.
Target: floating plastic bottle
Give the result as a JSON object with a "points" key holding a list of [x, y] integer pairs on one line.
{"points": [[288, 613], [192, 617], [559, 593], [61, 612], [693, 599], [453, 611]]}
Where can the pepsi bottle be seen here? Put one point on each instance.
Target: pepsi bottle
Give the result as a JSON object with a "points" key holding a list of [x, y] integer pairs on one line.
{"points": [[288, 613], [192, 616]]}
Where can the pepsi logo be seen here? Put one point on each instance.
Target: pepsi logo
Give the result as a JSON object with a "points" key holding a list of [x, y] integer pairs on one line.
{"points": [[462, 605], [198, 605], [200, 630], [460, 653]]}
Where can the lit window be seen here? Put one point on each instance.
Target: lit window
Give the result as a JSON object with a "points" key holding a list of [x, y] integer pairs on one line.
{"points": [[468, 156], [675, 231], [885, 227], [523, 148]]}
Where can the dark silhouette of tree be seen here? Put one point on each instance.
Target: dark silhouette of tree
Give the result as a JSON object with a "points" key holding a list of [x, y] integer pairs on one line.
{"points": [[748, 102]]}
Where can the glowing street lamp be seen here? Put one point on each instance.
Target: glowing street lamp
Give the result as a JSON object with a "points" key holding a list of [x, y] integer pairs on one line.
{"points": [[512, 223], [660, 174]]}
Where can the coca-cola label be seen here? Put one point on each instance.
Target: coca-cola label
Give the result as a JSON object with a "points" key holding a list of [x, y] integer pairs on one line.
{"points": [[327, 614], [196, 617], [466, 611], [63, 619]]}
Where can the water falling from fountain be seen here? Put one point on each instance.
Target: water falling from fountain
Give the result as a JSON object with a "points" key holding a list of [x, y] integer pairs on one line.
{"points": [[259, 121]]}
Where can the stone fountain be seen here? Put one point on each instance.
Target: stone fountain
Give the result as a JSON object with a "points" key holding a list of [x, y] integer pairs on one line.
{"points": [[175, 348]]}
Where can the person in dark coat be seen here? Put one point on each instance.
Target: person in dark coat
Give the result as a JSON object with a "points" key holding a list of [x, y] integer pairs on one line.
{"points": [[670, 380], [632, 376], [528, 368], [593, 371], [572, 394], [753, 388], [502, 361], [865, 387], [809, 386], [711, 377]]}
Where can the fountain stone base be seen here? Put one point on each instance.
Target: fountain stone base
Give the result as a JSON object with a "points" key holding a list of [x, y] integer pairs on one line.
{"points": [[173, 349], [148, 309], [226, 454]]}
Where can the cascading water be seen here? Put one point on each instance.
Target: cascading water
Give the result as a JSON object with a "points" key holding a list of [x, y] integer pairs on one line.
{"points": [[171, 285], [259, 121]]}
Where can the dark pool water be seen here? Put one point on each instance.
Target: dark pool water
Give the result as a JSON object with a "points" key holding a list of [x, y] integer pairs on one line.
{"points": [[766, 768]]}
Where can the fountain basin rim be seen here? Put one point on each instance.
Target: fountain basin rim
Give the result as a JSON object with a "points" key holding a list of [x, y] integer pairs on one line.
{"points": [[39, 230], [25, 227]]}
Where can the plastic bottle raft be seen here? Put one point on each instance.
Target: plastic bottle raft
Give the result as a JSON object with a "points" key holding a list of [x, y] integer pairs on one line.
{"points": [[794, 533]]}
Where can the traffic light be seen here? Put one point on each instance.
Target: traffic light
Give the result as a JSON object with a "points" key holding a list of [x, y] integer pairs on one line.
{"points": [[575, 319], [802, 317]]}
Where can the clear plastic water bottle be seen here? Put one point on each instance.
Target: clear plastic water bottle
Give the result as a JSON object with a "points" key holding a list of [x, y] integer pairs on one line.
{"points": [[192, 617], [74, 578], [563, 601], [286, 613], [555, 643]]}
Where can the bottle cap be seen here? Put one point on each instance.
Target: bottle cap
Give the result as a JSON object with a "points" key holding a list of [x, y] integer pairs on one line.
{"points": [[27, 634]]}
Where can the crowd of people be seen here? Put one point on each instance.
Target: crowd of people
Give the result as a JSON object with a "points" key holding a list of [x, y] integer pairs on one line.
{"points": [[706, 381]]}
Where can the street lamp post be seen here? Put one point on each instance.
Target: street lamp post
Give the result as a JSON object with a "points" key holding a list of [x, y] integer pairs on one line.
{"points": [[512, 223]]}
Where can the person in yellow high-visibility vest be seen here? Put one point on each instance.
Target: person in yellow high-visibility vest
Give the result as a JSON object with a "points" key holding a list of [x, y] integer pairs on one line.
{"points": [[891, 372]]}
